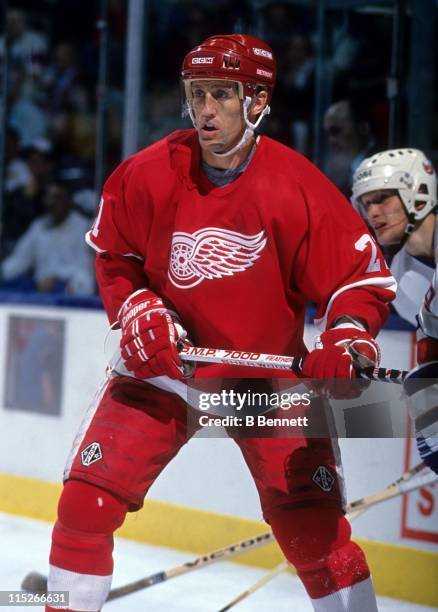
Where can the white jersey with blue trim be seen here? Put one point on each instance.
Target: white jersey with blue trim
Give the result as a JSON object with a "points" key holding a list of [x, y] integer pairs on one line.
{"points": [[413, 278], [428, 315], [416, 302]]}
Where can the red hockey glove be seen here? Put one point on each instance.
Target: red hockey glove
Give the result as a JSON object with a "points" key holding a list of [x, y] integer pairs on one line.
{"points": [[338, 351], [150, 333]]}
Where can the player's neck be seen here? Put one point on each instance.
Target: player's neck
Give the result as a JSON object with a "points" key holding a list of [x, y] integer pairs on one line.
{"points": [[421, 242], [229, 162]]}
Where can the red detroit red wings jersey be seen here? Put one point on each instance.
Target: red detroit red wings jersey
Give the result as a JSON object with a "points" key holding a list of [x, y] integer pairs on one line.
{"points": [[240, 262]]}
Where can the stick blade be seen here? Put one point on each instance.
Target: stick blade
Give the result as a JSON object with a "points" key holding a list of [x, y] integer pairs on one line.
{"points": [[34, 582]]}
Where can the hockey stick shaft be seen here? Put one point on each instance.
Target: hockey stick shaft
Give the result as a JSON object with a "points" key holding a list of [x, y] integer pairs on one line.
{"points": [[353, 514], [256, 586], [400, 487], [277, 362], [35, 582], [222, 553]]}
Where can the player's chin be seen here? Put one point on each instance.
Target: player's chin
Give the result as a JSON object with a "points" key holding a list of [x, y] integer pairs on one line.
{"points": [[212, 145], [386, 239]]}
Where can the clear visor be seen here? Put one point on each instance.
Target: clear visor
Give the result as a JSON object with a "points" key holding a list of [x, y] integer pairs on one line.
{"points": [[187, 95]]}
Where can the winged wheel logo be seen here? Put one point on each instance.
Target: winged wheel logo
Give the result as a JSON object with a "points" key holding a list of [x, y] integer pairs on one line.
{"points": [[211, 253]]}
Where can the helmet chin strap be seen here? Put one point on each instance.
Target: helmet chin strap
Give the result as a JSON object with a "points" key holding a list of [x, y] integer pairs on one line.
{"points": [[395, 248], [409, 228], [249, 129]]}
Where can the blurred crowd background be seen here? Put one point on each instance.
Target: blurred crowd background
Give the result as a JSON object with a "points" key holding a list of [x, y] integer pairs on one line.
{"points": [[354, 78]]}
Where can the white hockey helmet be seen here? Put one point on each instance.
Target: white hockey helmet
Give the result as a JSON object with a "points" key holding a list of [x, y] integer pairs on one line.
{"points": [[406, 170]]}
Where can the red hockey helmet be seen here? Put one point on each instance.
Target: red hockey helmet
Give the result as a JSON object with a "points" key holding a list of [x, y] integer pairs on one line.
{"points": [[233, 57]]}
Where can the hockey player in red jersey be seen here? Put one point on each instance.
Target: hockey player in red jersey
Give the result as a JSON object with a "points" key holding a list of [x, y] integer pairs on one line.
{"points": [[221, 236]]}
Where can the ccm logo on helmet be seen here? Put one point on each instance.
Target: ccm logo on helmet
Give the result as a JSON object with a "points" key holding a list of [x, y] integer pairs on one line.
{"points": [[364, 174], [264, 73], [262, 52], [202, 60]]}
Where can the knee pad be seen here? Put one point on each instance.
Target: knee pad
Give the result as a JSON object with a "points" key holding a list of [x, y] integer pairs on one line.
{"points": [[82, 538], [316, 540], [88, 508], [308, 535]]}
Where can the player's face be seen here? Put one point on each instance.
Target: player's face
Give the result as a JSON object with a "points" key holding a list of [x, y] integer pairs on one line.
{"points": [[218, 115], [386, 215], [57, 203], [341, 134]]}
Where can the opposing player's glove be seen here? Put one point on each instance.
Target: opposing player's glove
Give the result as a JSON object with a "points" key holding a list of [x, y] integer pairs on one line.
{"points": [[428, 449], [150, 333], [421, 389], [427, 348], [338, 351]]}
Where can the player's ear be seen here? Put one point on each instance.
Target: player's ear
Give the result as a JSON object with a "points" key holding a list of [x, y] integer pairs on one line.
{"points": [[259, 102]]}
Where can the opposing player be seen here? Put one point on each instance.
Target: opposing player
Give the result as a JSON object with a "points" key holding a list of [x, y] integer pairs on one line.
{"points": [[396, 191], [221, 236]]}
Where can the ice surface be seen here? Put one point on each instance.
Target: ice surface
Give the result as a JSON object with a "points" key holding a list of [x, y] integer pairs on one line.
{"points": [[25, 547]]}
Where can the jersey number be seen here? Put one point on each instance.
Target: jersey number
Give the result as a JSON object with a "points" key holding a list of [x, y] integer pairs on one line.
{"points": [[361, 245]]}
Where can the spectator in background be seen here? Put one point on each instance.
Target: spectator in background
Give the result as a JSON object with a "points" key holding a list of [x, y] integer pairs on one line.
{"points": [[79, 178], [25, 115], [53, 248], [350, 138], [279, 19], [69, 104], [27, 49], [39, 158], [296, 92], [24, 202], [17, 173], [66, 93]]}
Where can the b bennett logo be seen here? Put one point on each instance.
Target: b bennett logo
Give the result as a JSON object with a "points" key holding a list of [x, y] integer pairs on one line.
{"points": [[91, 454], [323, 478], [202, 60]]}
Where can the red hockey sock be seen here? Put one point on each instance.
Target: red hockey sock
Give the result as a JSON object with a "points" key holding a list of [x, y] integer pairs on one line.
{"points": [[317, 542]]}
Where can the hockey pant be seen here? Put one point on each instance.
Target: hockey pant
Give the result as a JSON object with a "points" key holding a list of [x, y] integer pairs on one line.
{"points": [[127, 439]]}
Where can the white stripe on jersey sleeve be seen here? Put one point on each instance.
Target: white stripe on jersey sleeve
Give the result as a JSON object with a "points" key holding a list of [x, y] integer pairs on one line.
{"points": [[90, 243], [387, 282]]}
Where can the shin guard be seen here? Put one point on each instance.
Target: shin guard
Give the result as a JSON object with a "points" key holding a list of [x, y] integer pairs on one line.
{"points": [[82, 544], [317, 542]]}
